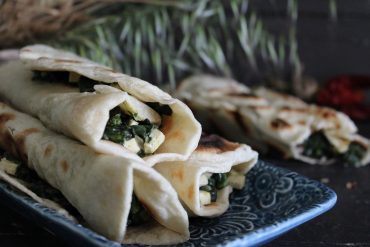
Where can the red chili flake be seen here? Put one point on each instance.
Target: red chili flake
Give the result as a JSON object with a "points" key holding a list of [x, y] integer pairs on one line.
{"points": [[346, 93]]}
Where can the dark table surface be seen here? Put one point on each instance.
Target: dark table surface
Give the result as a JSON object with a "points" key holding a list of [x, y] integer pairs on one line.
{"points": [[347, 224]]}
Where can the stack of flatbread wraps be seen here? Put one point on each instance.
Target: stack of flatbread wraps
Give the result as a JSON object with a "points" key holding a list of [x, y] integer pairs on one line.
{"points": [[274, 122], [130, 158]]}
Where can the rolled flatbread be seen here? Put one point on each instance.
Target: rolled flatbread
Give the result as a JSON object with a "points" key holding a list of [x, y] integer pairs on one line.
{"points": [[110, 112], [99, 186], [274, 122], [205, 181]]}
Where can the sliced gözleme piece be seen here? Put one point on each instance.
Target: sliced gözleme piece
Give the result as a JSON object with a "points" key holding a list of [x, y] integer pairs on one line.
{"points": [[138, 113]]}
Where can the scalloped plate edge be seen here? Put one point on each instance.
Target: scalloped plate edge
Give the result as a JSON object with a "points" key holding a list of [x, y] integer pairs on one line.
{"points": [[72, 232], [267, 234]]}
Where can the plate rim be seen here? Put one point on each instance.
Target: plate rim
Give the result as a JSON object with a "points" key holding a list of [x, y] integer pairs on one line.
{"points": [[266, 234], [58, 225]]}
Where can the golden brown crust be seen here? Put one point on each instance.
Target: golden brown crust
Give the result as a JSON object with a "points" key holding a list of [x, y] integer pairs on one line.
{"points": [[243, 95], [20, 139], [48, 150], [65, 166], [215, 144], [191, 192], [5, 117], [280, 124], [290, 109], [178, 174]]}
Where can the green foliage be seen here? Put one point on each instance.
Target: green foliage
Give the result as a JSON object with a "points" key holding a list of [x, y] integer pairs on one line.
{"points": [[166, 41]]}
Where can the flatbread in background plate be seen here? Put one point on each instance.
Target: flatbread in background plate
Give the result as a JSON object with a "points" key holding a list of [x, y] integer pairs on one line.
{"points": [[271, 121]]}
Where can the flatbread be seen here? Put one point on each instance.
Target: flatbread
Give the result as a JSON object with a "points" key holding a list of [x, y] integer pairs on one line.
{"points": [[267, 120], [83, 116], [213, 155], [99, 186]]}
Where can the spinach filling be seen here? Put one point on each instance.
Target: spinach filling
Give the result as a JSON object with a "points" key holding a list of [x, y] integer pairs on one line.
{"points": [[354, 154], [318, 146], [122, 128], [216, 182], [138, 213], [119, 129]]}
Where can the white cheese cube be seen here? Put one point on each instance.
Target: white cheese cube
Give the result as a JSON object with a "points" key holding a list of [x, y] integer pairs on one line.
{"points": [[203, 180], [132, 122], [236, 180], [8, 166], [204, 197], [157, 138], [140, 111], [132, 145]]}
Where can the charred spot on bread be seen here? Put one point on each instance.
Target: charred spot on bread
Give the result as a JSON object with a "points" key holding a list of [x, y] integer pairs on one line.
{"points": [[216, 144]]}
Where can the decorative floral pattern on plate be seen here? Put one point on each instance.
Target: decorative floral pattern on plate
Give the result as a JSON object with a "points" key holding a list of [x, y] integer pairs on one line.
{"points": [[273, 201]]}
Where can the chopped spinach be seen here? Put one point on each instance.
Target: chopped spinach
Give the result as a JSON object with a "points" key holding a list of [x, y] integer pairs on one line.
{"points": [[221, 180], [207, 188], [143, 130], [138, 213], [211, 182], [318, 146], [117, 135], [216, 182], [141, 153], [118, 129], [161, 109], [354, 154], [115, 120]]}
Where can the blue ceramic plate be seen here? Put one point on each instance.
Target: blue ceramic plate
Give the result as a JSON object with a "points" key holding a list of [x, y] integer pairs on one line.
{"points": [[274, 201]]}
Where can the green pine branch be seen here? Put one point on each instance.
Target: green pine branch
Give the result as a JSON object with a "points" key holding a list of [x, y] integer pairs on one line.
{"points": [[166, 42]]}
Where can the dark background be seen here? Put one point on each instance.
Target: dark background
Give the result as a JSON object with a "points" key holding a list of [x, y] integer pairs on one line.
{"points": [[327, 48]]}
